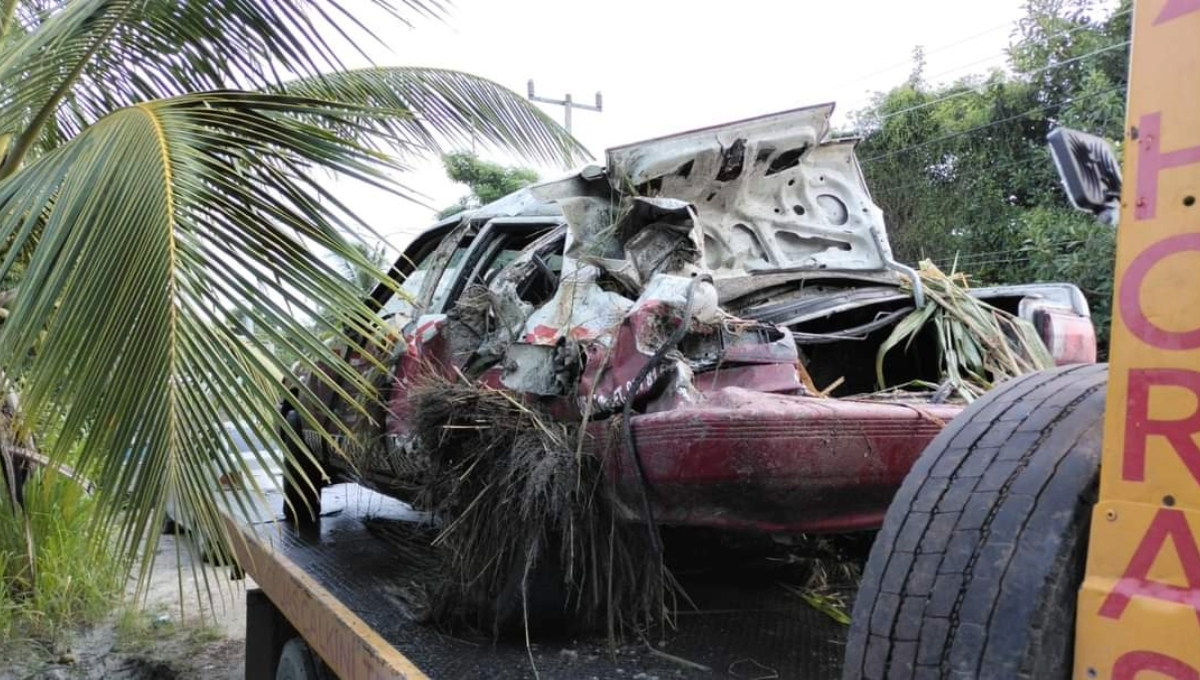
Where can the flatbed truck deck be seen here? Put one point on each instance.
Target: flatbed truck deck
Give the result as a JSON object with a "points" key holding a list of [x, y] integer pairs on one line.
{"points": [[337, 586]]}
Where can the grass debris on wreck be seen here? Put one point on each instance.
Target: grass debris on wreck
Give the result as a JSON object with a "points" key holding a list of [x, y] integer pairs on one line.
{"points": [[527, 532]]}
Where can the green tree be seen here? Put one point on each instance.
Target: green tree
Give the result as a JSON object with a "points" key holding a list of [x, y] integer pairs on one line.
{"points": [[362, 279], [156, 170], [961, 169], [488, 181]]}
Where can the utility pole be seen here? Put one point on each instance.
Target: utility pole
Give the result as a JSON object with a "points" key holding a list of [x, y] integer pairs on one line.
{"points": [[567, 103]]}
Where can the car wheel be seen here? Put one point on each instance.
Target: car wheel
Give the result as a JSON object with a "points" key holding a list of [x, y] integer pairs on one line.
{"points": [[976, 569], [297, 662]]}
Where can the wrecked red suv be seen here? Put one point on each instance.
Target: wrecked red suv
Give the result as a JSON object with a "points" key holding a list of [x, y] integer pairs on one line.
{"points": [[727, 291]]}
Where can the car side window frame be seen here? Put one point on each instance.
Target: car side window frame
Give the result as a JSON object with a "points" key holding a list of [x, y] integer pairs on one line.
{"points": [[440, 260], [472, 245], [490, 235]]}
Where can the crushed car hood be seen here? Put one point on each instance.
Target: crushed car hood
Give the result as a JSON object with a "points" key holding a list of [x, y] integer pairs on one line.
{"points": [[771, 193]]}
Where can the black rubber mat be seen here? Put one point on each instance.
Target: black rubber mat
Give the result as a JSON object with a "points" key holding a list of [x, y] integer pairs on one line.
{"points": [[744, 626]]}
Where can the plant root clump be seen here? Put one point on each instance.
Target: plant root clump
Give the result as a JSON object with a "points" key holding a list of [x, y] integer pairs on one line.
{"points": [[528, 531]]}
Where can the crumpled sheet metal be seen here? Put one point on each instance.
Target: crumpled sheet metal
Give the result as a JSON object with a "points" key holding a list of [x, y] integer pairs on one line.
{"points": [[659, 235], [579, 310], [652, 249], [499, 307], [770, 193], [762, 196]]}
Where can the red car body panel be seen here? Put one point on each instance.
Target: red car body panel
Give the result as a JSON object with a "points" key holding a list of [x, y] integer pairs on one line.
{"points": [[1070, 338], [777, 463], [753, 453], [743, 444]]}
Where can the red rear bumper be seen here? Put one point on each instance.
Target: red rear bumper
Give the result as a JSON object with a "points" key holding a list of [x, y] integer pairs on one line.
{"points": [[755, 461]]}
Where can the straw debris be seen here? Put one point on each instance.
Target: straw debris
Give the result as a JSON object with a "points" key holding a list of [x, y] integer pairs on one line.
{"points": [[527, 525], [979, 344]]}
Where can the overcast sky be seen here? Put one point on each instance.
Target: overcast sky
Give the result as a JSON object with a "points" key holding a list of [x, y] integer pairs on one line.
{"points": [[670, 65]]}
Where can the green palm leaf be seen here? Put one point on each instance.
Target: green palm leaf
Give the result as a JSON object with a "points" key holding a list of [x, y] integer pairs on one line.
{"points": [[149, 227], [433, 104], [143, 235], [67, 63], [148, 224], [979, 344]]}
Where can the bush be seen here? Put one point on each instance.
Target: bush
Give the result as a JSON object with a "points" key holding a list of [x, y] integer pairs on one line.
{"points": [[55, 570], [1074, 248]]}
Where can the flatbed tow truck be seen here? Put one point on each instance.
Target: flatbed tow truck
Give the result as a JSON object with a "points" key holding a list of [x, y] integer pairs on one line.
{"points": [[331, 590], [1114, 598]]}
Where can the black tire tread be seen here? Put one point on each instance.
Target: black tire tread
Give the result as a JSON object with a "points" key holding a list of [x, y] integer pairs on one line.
{"points": [[992, 508]]}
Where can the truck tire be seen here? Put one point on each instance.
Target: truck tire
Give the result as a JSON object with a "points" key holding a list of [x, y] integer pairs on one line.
{"points": [[297, 662], [975, 571]]}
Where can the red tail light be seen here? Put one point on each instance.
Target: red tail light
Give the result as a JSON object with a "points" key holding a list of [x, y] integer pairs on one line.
{"points": [[1071, 338]]}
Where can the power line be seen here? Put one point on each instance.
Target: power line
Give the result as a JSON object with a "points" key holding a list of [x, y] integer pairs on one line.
{"points": [[936, 50], [909, 185], [976, 265], [987, 254], [990, 169], [1001, 54], [974, 259], [981, 259], [1004, 53], [980, 88], [956, 135]]}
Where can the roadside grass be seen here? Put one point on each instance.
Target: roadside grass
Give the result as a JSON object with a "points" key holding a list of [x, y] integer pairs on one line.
{"points": [[140, 630], [56, 574]]}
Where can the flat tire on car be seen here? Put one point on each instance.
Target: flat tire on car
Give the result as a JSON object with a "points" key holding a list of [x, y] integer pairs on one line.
{"points": [[975, 571]]}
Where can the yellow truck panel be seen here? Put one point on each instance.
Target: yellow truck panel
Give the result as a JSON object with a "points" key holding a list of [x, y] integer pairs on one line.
{"points": [[1139, 609]]}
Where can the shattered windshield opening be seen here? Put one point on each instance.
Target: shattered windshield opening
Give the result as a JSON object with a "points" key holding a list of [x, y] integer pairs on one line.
{"points": [[401, 306]]}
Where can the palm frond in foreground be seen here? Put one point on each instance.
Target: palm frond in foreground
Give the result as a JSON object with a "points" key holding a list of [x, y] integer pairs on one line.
{"points": [[157, 196]]}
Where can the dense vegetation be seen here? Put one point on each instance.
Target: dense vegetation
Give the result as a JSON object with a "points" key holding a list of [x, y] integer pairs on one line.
{"points": [[962, 171]]}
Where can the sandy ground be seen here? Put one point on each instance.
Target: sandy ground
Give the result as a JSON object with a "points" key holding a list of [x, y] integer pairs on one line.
{"points": [[165, 637]]}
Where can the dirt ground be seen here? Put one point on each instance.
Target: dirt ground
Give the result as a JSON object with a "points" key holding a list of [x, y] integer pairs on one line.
{"points": [[158, 639]]}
